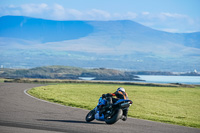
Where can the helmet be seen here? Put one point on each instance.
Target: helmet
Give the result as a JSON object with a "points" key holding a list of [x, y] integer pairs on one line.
{"points": [[121, 89]]}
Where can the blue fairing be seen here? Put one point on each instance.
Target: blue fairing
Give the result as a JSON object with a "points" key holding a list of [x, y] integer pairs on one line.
{"points": [[121, 100], [101, 101], [98, 117]]}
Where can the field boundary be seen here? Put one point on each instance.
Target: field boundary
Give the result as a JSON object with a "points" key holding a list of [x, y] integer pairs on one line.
{"points": [[33, 80]]}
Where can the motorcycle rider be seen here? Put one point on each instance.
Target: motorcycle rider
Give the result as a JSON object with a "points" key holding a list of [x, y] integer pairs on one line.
{"points": [[120, 94]]}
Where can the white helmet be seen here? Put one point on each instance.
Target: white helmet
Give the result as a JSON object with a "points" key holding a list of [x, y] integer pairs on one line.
{"points": [[121, 89]]}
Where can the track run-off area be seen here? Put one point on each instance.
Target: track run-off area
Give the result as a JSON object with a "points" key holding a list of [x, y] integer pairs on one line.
{"points": [[22, 113]]}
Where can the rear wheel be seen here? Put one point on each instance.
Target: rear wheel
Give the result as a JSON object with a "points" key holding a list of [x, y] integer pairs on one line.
{"points": [[114, 118], [90, 116]]}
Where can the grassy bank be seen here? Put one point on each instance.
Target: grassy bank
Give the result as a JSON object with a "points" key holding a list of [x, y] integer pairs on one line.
{"points": [[175, 105], [41, 81], [1, 80]]}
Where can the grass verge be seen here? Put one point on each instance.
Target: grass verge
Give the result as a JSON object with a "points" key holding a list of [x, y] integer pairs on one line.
{"points": [[174, 105], [2, 80]]}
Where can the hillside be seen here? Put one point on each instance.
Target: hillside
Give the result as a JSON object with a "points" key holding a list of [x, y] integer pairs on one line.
{"points": [[66, 72], [120, 44], [42, 30]]}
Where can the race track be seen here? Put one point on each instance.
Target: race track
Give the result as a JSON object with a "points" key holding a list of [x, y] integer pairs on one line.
{"points": [[20, 113]]}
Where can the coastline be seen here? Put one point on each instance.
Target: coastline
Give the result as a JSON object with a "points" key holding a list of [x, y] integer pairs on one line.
{"points": [[31, 80]]}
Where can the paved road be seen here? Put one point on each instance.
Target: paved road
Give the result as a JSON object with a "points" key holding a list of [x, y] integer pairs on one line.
{"points": [[20, 113]]}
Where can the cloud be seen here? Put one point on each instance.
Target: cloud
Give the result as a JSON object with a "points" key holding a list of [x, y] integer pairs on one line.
{"points": [[33, 8], [145, 13], [131, 15], [169, 22], [173, 15], [170, 30], [58, 12], [76, 13], [96, 14]]}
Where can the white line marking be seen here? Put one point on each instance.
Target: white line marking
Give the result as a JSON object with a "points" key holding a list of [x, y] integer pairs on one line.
{"points": [[25, 92]]}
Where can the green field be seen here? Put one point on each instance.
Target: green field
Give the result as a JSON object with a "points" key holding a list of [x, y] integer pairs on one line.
{"points": [[175, 105], [2, 80]]}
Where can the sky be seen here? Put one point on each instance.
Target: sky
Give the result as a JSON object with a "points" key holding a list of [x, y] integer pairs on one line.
{"points": [[177, 16]]}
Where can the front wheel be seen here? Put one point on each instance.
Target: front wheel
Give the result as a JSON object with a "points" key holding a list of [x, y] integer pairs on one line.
{"points": [[117, 115], [90, 116]]}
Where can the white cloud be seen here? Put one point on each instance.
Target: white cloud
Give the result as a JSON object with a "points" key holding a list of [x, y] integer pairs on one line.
{"points": [[96, 14], [131, 15], [58, 12], [170, 30], [169, 22], [74, 12], [145, 13], [33, 8], [173, 15]]}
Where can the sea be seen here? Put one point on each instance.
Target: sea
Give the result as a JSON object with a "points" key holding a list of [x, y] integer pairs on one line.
{"points": [[162, 79], [171, 79]]}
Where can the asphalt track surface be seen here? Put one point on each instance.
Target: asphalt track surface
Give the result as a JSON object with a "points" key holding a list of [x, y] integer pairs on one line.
{"points": [[20, 113]]}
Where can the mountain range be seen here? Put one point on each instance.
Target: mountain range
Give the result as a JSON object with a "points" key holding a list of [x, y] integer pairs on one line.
{"points": [[122, 44]]}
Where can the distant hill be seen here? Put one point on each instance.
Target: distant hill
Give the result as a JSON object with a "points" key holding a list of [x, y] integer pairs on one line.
{"points": [[42, 30], [31, 42], [67, 72]]}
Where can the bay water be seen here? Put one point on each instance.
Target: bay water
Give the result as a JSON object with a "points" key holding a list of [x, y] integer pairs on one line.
{"points": [[170, 79], [161, 79]]}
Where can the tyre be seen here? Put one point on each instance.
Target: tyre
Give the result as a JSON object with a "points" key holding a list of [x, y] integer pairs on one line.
{"points": [[90, 116], [115, 117]]}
